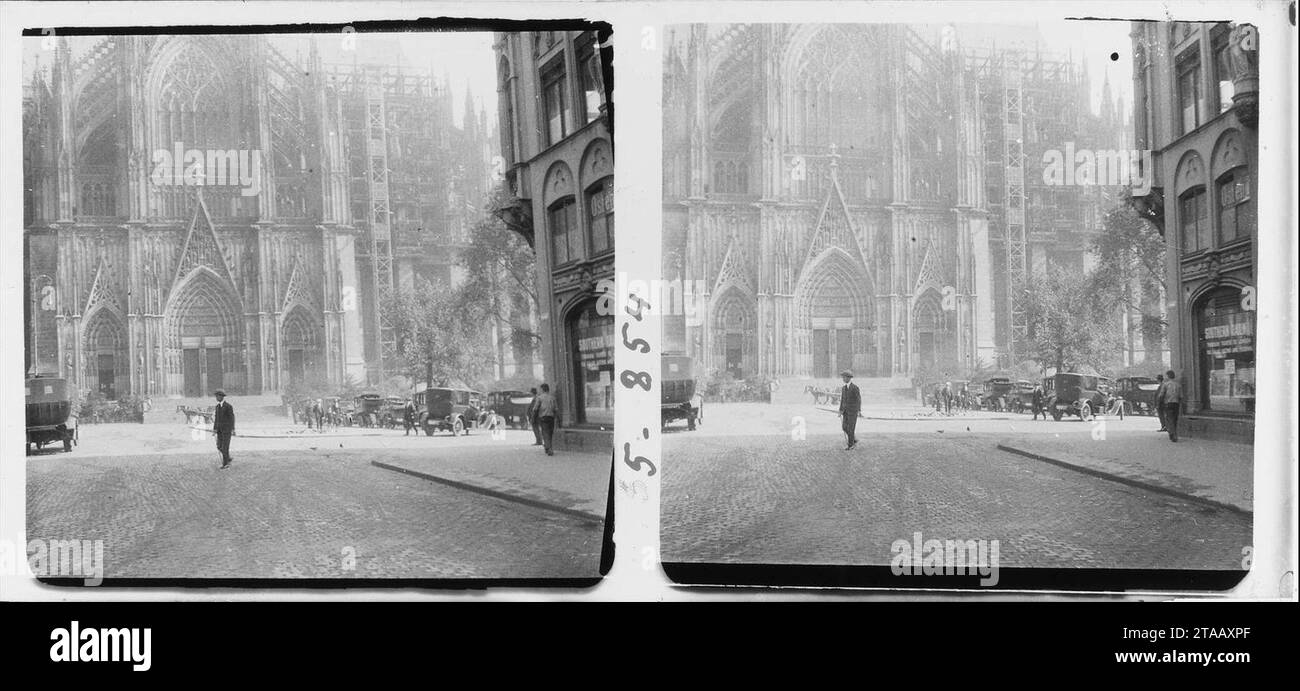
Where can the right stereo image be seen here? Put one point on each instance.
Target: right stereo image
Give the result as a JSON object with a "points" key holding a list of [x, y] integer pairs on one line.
{"points": [[964, 305]]}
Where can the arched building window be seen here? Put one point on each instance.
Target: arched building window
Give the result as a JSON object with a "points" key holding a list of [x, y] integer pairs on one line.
{"points": [[1193, 207], [1234, 201]]}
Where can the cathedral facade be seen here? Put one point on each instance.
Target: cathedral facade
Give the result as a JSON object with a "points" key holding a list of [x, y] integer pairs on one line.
{"points": [[824, 196], [199, 214]]}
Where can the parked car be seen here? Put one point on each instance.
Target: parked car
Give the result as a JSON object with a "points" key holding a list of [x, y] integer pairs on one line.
{"points": [[1139, 394], [1022, 396], [997, 393], [1070, 393], [392, 412], [677, 398], [50, 415], [369, 407], [447, 410]]}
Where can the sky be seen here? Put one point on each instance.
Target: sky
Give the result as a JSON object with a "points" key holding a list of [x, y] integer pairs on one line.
{"points": [[1088, 42]]}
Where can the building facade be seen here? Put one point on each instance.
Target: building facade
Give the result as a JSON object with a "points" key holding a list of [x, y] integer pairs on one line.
{"points": [[204, 212], [557, 146], [1197, 108], [865, 197], [828, 215]]}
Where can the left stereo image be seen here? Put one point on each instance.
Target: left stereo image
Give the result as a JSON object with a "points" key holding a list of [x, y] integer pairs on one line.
{"points": [[316, 305]]}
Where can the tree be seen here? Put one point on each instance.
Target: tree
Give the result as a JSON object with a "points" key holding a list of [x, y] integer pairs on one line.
{"points": [[1130, 271], [438, 338], [500, 280], [1069, 328]]}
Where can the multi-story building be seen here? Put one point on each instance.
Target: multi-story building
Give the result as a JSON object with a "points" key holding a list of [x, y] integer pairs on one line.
{"points": [[1196, 108], [557, 146], [205, 212], [861, 196]]}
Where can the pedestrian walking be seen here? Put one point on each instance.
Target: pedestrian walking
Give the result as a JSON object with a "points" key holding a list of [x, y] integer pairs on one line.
{"points": [[850, 406], [546, 409], [223, 423], [1172, 396], [947, 398], [408, 418], [1160, 403], [1038, 403], [532, 418]]}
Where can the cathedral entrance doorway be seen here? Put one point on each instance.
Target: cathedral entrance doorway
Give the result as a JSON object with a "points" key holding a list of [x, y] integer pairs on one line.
{"points": [[203, 325], [834, 301], [201, 365]]}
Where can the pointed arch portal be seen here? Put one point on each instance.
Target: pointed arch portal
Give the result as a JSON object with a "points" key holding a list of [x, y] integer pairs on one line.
{"points": [[204, 339], [834, 306]]}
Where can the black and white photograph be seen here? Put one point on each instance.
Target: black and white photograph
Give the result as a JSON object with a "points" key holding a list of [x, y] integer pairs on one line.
{"points": [[317, 304], [956, 298]]}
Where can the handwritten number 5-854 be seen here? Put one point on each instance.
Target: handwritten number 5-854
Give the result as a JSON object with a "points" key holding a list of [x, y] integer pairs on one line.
{"points": [[638, 344], [632, 379]]}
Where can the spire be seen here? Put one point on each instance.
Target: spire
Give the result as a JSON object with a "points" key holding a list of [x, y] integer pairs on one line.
{"points": [[468, 121], [1107, 100]]}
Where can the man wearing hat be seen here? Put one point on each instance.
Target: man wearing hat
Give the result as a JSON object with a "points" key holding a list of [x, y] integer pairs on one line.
{"points": [[223, 423], [850, 406]]}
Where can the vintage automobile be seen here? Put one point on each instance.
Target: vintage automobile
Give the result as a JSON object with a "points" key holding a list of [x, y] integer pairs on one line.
{"points": [[512, 406], [1022, 396], [677, 397], [50, 415], [392, 412], [1070, 393], [447, 410], [1138, 394], [369, 408], [997, 393]]}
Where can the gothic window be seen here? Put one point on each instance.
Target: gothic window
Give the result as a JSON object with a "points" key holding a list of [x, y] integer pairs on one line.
{"points": [[1236, 206], [600, 205], [837, 95], [566, 234], [1192, 219], [193, 103]]}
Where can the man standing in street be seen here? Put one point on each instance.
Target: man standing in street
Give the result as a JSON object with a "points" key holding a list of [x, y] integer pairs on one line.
{"points": [[1160, 403], [850, 406], [1171, 394], [546, 409], [408, 417], [223, 423], [532, 418], [1038, 403]]}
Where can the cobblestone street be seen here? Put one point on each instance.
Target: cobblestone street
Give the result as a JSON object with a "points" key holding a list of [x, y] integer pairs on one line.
{"points": [[297, 508], [744, 494]]}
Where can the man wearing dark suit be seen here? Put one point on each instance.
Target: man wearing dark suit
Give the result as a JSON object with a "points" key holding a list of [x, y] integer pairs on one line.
{"points": [[850, 406], [223, 423], [534, 421]]}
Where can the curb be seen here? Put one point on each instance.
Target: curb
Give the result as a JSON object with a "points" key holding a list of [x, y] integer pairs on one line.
{"points": [[518, 499], [1139, 484]]}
